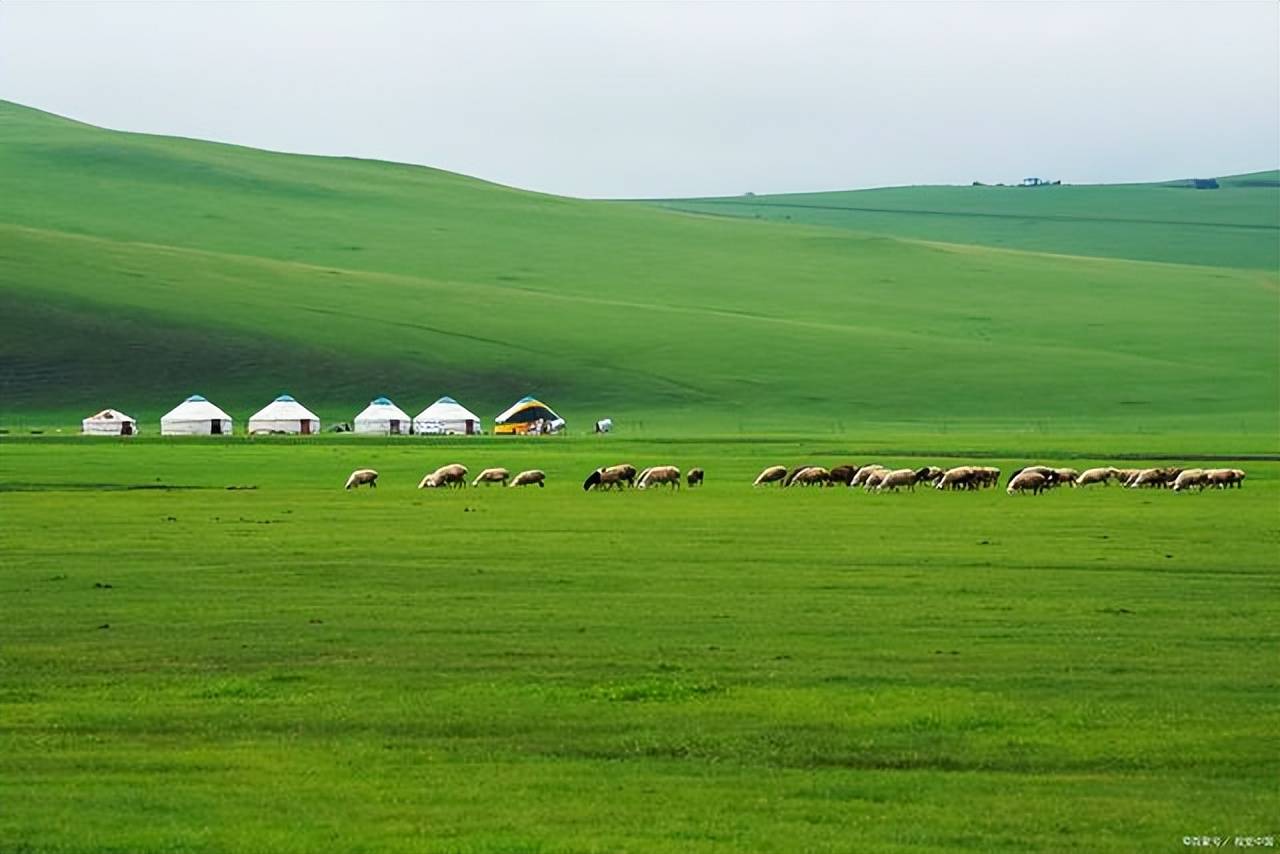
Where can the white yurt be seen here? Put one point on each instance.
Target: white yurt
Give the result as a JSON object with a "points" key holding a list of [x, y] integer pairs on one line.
{"points": [[284, 415], [446, 415], [195, 416], [109, 422], [383, 417]]}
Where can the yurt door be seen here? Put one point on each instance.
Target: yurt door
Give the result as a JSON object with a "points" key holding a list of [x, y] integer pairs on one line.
{"points": [[306, 426], [126, 429], [215, 427], [395, 426], [471, 426]]}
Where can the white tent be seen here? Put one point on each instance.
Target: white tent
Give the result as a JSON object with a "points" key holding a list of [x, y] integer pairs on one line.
{"points": [[109, 422], [284, 415], [195, 416], [446, 415], [383, 416]]}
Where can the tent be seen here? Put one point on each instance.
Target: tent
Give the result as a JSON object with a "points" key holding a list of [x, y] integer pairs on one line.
{"points": [[109, 422], [384, 417], [446, 415], [195, 416], [284, 415], [528, 415]]}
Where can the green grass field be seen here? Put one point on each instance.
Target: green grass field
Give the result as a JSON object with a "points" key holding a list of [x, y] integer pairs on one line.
{"points": [[1236, 225], [189, 666], [296, 668]]}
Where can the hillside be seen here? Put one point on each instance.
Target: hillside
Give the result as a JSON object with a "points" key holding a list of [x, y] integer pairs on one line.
{"points": [[1236, 225], [137, 269]]}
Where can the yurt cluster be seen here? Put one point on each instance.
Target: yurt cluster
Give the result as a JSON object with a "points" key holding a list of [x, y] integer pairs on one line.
{"points": [[197, 416]]}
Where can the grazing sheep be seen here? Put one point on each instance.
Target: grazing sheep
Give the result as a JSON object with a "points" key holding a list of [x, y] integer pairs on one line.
{"points": [[1224, 478], [360, 477], [695, 477], [932, 474], [900, 477], [450, 475], [660, 474], [1032, 480], [1067, 476], [860, 479], [611, 477], [985, 476], [1160, 478], [810, 475], [528, 478], [873, 479], [1188, 478], [492, 476], [960, 477], [1123, 476], [843, 474], [795, 471], [770, 474], [1097, 475]]}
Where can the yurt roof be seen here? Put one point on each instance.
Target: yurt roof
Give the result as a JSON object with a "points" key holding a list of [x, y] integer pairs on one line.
{"points": [[284, 408], [447, 409], [195, 408], [527, 409], [382, 409], [110, 415]]}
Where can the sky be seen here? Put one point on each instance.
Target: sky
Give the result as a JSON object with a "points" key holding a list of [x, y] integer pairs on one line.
{"points": [[651, 99]]}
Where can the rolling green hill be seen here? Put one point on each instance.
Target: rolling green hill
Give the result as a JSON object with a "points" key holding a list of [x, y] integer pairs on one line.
{"points": [[1236, 225], [135, 270]]}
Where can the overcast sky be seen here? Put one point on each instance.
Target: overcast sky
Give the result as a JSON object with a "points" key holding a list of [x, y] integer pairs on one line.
{"points": [[655, 99]]}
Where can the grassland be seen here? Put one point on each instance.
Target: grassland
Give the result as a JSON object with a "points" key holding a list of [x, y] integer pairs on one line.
{"points": [[1236, 225], [137, 269], [293, 668]]}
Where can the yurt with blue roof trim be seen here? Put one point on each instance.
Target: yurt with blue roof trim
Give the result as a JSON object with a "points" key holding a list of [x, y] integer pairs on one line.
{"points": [[383, 418], [195, 416], [285, 415], [446, 416]]}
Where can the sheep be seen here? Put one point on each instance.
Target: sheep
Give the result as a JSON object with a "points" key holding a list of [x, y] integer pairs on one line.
{"points": [[843, 474], [959, 477], [660, 474], [860, 479], [1067, 476], [360, 477], [874, 478], [900, 477], [695, 477], [770, 474], [795, 471], [1224, 478], [1123, 476], [1097, 475], [492, 476], [1050, 475], [1032, 480], [1189, 478], [811, 475], [450, 475], [929, 473], [985, 476], [1147, 478], [611, 477], [528, 478]]}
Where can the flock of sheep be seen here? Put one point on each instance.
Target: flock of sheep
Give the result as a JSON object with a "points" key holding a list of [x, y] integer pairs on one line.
{"points": [[872, 478], [455, 475], [1033, 479]]}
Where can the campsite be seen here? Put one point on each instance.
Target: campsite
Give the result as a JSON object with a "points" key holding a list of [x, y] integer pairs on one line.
{"points": [[564, 428]]}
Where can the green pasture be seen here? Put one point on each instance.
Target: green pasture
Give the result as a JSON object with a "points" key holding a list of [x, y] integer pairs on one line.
{"points": [[1236, 225], [285, 666], [136, 270]]}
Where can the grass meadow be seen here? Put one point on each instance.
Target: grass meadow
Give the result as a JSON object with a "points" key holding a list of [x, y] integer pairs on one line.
{"points": [[288, 667]]}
